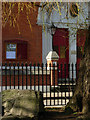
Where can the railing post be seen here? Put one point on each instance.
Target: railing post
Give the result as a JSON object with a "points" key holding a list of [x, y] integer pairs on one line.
{"points": [[14, 74], [5, 76], [22, 75], [18, 74], [76, 73], [10, 74], [52, 58], [26, 75], [34, 76], [42, 78], [30, 76], [38, 75]]}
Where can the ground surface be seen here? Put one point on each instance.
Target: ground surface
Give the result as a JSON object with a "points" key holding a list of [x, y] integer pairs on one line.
{"points": [[58, 115], [0, 105]]}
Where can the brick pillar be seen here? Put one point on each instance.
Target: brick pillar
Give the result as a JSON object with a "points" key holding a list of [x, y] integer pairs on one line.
{"points": [[52, 58]]}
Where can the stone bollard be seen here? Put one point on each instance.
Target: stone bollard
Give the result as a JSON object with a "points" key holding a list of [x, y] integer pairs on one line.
{"points": [[52, 58]]}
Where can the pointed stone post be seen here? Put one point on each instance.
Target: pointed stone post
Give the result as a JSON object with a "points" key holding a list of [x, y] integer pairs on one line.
{"points": [[52, 58]]}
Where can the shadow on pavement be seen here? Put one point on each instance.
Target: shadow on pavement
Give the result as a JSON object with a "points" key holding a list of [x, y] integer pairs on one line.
{"points": [[57, 115]]}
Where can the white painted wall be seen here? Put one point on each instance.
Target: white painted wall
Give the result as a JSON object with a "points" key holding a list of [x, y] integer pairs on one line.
{"points": [[46, 43], [65, 20]]}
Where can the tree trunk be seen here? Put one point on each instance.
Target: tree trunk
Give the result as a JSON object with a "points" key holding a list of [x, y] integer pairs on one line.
{"points": [[81, 99]]}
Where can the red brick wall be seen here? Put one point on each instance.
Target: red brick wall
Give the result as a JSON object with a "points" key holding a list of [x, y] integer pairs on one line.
{"points": [[34, 37], [7, 79]]}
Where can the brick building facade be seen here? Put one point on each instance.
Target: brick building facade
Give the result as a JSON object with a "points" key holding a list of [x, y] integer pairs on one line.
{"points": [[33, 45], [28, 41]]}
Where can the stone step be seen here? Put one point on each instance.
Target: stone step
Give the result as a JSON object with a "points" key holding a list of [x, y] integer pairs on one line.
{"points": [[60, 102], [63, 88], [58, 94]]}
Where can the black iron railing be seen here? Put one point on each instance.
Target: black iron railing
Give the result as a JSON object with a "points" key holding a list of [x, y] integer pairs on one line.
{"points": [[56, 82]]}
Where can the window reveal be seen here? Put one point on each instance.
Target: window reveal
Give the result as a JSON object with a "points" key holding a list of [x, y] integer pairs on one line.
{"points": [[16, 51], [11, 51], [22, 51], [62, 52]]}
